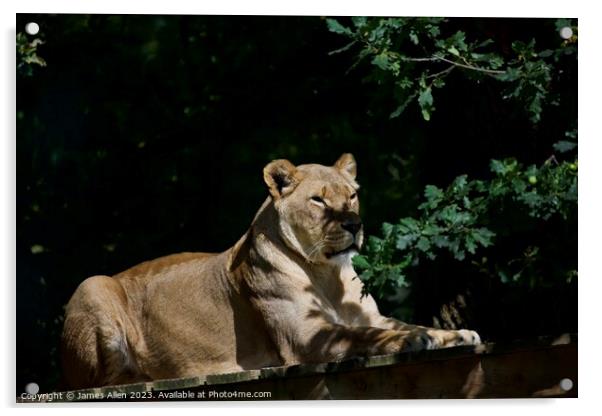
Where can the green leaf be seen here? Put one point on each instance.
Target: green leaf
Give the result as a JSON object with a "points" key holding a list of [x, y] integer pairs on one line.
{"points": [[496, 62], [560, 23], [438, 83], [431, 229], [374, 244], [531, 171], [336, 27], [483, 236], [387, 229], [400, 281], [564, 146], [459, 184], [535, 108], [458, 41], [440, 241], [531, 199], [470, 244], [414, 38], [546, 53], [497, 166], [466, 202], [452, 49], [459, 255], [433, 196], [449, 214], [433, 31], [360, 262], [408, 224], [425, 100], [511, 74], [366, 276], [404, 241], [423, 244], [382, 61], [359, 21], [519, 186], [405, 83]]}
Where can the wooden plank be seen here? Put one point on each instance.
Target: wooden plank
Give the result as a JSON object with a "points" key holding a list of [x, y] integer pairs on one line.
{"points": [[531, 368]]}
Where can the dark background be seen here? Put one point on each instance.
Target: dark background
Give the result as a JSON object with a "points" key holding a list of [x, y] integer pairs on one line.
{"points": [[147, 135]]}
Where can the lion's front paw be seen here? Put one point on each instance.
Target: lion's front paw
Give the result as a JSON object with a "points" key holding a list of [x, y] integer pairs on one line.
{"points": [[432, 339], [445, 338], [470, 337], [417, 340]]}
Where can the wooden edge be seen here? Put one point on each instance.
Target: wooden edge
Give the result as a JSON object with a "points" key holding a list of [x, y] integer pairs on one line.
{"points": [[543, 342]]}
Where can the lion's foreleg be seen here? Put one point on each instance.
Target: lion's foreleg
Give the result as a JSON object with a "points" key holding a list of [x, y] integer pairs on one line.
{"points": [[437, 338]]}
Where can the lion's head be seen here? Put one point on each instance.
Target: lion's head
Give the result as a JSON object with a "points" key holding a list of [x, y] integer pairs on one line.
{"points": [[317, 208]]}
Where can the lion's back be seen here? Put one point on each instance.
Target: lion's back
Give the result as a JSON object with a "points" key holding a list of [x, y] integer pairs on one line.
{"points": [[158, 266]]}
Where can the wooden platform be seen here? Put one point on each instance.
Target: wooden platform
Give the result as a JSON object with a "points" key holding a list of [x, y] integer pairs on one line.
{"points": [[542, 367]]}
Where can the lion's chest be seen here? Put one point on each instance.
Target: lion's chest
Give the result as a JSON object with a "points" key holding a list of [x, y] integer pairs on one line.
{"points": [[341, 303]]}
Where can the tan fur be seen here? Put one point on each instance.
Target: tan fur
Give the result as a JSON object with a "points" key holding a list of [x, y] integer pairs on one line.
{"points": [[279, 296]]}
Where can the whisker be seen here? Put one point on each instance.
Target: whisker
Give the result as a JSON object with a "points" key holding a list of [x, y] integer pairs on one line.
{"points": [[318, 246], [315, 249]]}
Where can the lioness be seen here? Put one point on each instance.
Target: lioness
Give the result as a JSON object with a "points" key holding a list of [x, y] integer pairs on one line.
{"points": [[285, 293]]}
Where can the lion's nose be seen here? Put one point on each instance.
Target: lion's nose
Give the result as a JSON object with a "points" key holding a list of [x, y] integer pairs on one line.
{"points": [[352, 226]]}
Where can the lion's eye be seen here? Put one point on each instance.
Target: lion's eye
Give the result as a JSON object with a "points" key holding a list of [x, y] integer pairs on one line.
{"points": [[353, 196], [317, 199]]}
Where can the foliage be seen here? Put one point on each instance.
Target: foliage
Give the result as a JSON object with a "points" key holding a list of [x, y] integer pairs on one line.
{"points": [[460, 220], [27, 54], [486, 228], [418, 54]]}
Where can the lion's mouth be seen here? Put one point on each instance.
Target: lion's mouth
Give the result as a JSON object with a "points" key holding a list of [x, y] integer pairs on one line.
{"points": [[351, 247]]}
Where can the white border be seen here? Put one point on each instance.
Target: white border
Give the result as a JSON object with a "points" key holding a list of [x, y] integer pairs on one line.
{"points": [[507, 8], [590, 198]]}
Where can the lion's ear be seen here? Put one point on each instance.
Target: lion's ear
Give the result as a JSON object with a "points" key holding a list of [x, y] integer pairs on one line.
{"points": [[279, 175], [346, 163]]}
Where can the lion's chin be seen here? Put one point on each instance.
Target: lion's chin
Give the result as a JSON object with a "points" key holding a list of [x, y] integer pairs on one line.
{"points": [[352, 249], [343, 257]]}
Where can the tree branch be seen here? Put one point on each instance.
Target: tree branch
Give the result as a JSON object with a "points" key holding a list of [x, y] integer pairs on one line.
{"points": [[473, 68], [444, 72], [454, 63]]}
